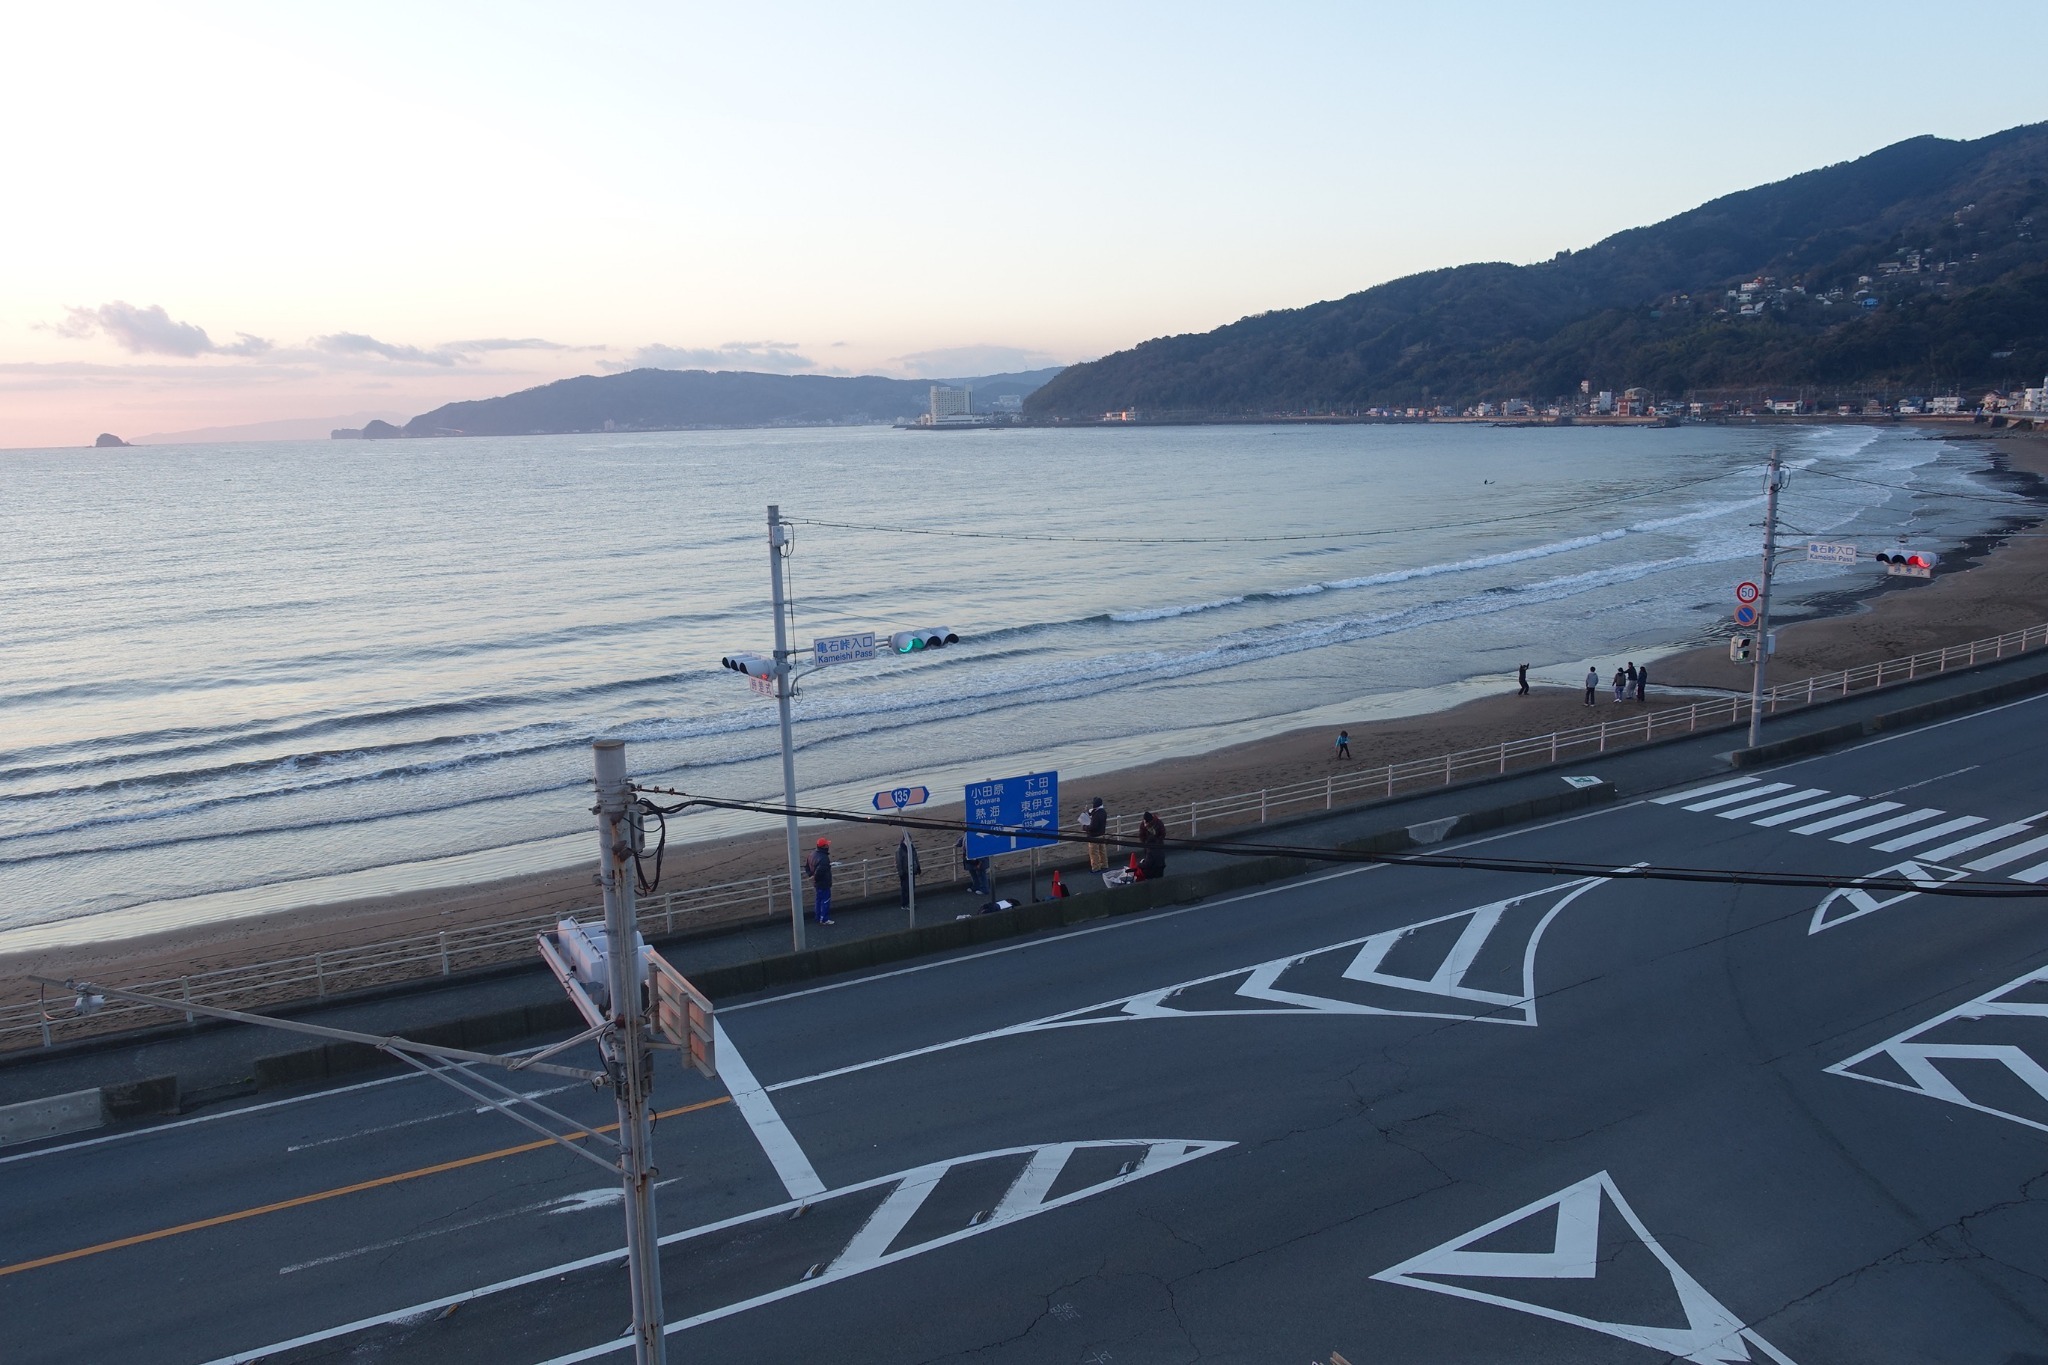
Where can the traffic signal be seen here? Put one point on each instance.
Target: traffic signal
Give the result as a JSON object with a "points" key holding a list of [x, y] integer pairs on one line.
{"points": [[1740, 649], [1909, 563], [930, 637], [753, 665]]}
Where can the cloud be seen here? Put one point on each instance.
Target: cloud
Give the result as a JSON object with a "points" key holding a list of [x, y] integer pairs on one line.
{"points": [[355, 344], [775, 357], [151, 331], [963, 361]]}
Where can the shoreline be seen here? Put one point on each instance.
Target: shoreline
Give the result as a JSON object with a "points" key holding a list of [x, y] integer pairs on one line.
{"points": [[2002, 584]]}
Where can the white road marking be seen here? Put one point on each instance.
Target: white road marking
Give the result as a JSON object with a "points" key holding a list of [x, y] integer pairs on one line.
{"points": [[784, 1153], [129, 1135], [1786, 817], [1862, 902], [1919, 1060], [1911, 817], [1873, 808], [2010, 854], [1446, 980], [1977, 840], [567, 1203], [1070, 935], [1703, 791], [2031, 875], [1714, 801], [1929, 781], [1158, 1155], [1932, 832], [429, 1118], [1712, 1335], [1754, 807]]}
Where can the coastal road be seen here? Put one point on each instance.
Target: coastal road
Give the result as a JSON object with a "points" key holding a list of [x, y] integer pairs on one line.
{"points": [[1408, 1115]]}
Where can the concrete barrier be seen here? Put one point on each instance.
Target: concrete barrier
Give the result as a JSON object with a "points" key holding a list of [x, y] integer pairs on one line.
{"points": [[52, 1116]]}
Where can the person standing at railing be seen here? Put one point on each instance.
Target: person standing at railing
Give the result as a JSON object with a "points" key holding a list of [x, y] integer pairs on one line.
{"points": [[818, 867], [1095, 825], [907, 868]]}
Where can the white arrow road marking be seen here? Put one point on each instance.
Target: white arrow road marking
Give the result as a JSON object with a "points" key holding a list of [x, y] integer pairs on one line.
{"points": [[1711, 1336], [1025, 1198], [1919, 1060], [784, 1153], [1845, 903], [1260, 984]]}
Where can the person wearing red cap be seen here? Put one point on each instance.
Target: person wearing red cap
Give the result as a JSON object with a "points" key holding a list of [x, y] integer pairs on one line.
{"points": [[818, 867]]}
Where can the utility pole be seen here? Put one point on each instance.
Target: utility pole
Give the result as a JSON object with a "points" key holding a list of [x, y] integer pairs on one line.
{"points": [[785, 684], [1774, 479], [626, 1050]]}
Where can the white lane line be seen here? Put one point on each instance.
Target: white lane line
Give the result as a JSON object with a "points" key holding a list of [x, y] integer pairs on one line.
{"points": [[1911, 817], [1929, 781], [1921, 836], [567, 1203], [1786, 817], [1711, 802], [1977, 840], [1755, 807], [2034, 875], [1863, 812], [1704, 791], [2011, 854], [414, 1123], [759, 1111]]}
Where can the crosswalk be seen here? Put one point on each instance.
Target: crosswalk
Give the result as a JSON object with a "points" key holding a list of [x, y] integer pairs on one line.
{"points": [[1967, 842]]}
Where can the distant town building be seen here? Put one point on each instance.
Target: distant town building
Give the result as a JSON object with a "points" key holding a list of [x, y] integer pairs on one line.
{"points": [[947, 401], [1009, 402], [1948, 405], [1603, 402]]}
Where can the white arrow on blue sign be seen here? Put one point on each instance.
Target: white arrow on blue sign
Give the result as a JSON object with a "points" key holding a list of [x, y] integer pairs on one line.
{"points": [[1029, 802]]}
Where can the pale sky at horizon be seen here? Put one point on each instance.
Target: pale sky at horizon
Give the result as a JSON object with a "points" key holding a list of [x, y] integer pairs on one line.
{"points": [[227, 213]]}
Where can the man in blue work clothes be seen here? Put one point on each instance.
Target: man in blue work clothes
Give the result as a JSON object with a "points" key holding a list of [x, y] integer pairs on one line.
{"points": [[818, 867]]}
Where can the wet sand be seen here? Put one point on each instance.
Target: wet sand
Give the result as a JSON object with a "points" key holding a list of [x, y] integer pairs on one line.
{"points": [[2005, 588]]}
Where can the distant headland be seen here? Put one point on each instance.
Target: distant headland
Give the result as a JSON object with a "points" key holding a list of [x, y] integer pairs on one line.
{"points": [[107, 441]]}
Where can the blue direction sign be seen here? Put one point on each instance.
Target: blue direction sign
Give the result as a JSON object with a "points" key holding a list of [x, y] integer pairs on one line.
{"points": [[1028, 802], [896, 798]]}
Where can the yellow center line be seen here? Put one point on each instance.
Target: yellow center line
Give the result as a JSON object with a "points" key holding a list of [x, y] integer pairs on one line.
{"points": [[301, 1200]]}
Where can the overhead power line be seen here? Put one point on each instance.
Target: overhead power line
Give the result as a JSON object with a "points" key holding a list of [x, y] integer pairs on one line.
{"points": [[1238, 848]]}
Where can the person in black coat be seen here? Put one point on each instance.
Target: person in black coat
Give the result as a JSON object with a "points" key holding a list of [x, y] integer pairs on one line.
{"points": [[1152, 847]]}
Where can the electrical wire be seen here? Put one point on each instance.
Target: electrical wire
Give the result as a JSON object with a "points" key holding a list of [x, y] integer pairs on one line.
{"points": [[951, 533], [1309, 853]]}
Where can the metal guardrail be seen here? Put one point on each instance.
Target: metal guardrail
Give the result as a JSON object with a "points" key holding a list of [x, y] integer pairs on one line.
{"points": [[334, 971]]}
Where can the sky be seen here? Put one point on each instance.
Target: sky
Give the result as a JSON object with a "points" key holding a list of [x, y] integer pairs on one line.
{"points": [[220, 214]]}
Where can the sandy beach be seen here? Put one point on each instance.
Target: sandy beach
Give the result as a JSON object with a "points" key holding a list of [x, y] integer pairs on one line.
{"points": [[2006, 587]]}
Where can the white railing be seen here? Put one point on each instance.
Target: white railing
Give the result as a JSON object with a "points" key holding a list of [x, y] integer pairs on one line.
{"points": [[317, 974]]}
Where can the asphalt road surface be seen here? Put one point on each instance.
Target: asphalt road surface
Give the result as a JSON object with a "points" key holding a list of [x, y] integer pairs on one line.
{"points": [[1411, 1116]]}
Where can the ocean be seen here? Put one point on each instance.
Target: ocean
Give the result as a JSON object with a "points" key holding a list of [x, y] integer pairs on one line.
{"points": [[243, 677]]}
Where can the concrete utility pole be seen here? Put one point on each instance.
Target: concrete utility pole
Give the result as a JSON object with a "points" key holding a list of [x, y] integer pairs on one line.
{"points": [[779, 533], [626, 1050], [1774, 479]]}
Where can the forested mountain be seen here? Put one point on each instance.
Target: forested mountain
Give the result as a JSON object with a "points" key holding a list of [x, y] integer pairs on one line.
{"points": [[1948, 234], [665, 400]]}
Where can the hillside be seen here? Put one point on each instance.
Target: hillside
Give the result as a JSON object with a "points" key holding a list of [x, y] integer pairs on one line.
{"points": [[1947, 233], [667, 400]]}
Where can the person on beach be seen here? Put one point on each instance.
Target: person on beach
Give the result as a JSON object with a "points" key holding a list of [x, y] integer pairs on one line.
{"points": [[907, 868], [1630, 672], [1522, 681], [818, 867], [1152, 846], [1095, 824], [1592, 685], [1620, 685], [1642, 684], [1343, 744]]}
